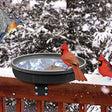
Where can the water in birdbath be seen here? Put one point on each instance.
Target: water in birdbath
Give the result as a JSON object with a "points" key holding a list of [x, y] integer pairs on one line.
{"points": [[42, 64]]}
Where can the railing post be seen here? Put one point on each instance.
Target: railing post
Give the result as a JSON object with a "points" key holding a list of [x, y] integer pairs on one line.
{"points": [[104, 108], [40, 106], [61, 107], [19, 105], [2, 104], [82, 108]]}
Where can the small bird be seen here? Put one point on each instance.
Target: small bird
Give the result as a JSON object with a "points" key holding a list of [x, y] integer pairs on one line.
{"points": [[11, 27], [105, 68], [54, 67], [69, 59]]}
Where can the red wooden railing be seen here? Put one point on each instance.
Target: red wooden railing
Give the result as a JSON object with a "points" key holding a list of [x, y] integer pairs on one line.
{"points": [[83, 94]]}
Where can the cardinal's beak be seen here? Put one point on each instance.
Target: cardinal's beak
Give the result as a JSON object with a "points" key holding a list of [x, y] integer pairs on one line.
{"points": [[99, 62], [59, 51]]}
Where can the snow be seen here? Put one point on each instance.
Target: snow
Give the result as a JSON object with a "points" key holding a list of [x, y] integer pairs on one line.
{"points": [[105, 90], [16, 1], [93, 78], [6, 72], [59, 4], [94, 108], [85, 27], [87, 15], [108, 5]]}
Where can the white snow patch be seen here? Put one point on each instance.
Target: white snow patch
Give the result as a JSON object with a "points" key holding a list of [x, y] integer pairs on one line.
{"points": [[78, 9], [30, 29], [6, 72], [95, 78], [55, 49], [32, 3], [94, 108], [105, 90], [100, 9], [49, 40], [94, 61], [16, 1], [85, 27], [59, 4], [23, 35], [86, 16], [100, 37], [108, 5]]}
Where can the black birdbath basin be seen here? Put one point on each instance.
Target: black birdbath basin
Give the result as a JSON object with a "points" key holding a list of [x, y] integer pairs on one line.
{"points": [[43, 69]]}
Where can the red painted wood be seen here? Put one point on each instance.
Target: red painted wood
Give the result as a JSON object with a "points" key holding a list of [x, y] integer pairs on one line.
{"points": [[61, 107], [19, 105], [40, 106], [104, 108], [82, 108], [2, 104], [68, 92]]}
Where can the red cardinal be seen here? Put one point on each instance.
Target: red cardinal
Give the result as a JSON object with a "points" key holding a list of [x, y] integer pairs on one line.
{"points": [[105, 68], [70, 59]]}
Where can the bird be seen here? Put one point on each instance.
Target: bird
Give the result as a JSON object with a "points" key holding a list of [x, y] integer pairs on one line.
{"points": [[104, 67], [10, 28], [70, 60], [7, 25]]}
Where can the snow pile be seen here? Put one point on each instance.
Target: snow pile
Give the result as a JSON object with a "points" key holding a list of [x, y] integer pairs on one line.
{"points": [[6, 72], [95, 78], [59, 4], [16, 1]]}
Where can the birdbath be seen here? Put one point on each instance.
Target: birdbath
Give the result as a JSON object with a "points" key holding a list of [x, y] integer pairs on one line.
{"points": [[43, 69]]}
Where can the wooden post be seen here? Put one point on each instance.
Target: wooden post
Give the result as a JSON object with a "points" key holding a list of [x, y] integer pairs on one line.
{"points": [[2, 104], [40, 106], [82, 108], [19, 105], [61, 107], [104, 108]]}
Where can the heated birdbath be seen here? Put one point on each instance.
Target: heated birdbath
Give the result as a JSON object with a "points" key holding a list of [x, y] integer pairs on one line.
{"points": [[43, 69]]}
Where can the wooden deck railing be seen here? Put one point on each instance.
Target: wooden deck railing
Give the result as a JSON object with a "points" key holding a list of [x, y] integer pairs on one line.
{"points": [[83, 94]]}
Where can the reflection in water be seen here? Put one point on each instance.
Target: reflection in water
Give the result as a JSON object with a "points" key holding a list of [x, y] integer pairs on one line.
{"points": [[42, 64]]}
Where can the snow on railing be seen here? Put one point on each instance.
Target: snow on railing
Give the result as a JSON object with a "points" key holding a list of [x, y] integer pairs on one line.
{"points": [[80, 93]]}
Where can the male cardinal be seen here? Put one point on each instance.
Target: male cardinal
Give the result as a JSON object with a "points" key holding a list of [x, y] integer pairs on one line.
{"points": [[70, 59], [105, 68]]}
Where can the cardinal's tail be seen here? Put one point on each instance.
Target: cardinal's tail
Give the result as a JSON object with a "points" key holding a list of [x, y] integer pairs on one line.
{"points": [[78, 73]]}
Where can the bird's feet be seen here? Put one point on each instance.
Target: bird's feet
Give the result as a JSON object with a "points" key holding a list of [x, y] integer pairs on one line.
{"points": [[66, 69]]}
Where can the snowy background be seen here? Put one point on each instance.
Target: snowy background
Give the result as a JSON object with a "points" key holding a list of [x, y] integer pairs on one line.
{"points": [[86, 26], [87, 29]]}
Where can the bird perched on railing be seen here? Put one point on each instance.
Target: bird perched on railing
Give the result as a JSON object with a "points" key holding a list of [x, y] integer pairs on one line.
{"points": [[70, 60], [7, 25], [105, 68]]}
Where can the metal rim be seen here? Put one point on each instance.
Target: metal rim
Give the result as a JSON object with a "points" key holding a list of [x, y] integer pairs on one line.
{"points": [[41, 71]]}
